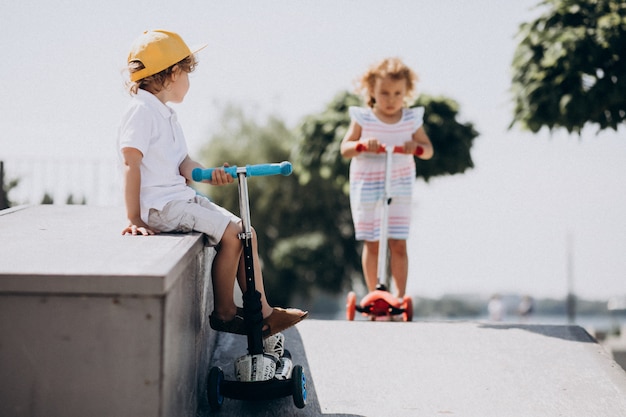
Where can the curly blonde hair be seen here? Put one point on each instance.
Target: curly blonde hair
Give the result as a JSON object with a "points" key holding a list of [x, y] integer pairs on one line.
{"points": [[393, 68], [157, 82]]}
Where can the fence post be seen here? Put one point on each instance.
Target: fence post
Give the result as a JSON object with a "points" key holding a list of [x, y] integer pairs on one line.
{"points": [[4, 199]]}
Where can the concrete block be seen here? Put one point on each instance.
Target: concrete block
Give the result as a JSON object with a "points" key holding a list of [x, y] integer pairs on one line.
{"points": [[95, 323]]}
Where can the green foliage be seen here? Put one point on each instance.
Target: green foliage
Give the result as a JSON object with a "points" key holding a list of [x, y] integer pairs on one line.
{"points": [[319, 140], [451, 140], [243, 141], [569, 67]]}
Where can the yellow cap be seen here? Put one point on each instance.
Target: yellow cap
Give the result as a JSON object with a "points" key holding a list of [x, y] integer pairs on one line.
{"points": [[158, 50]]}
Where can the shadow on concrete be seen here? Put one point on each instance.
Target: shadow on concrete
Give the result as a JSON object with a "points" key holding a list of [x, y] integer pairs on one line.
{"points": [[570, 333], [228, 348]]}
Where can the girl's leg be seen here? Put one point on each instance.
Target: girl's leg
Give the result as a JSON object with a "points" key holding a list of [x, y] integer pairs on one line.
{"points": [[369, 263], [399, 265]]}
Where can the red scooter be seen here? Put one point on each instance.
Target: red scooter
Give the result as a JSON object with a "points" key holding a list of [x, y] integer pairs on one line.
{"points": [[380, 304]]}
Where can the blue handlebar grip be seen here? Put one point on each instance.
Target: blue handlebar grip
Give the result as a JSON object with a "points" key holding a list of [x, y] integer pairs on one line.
{"points": [[282, 168], [199, 174], [196, 174]]}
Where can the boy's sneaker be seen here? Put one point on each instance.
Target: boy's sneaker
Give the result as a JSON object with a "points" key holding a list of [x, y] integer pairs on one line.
{"points": [[255, 368], [274, 345]]}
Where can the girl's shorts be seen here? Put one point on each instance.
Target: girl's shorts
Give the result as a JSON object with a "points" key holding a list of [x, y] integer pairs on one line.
{"points": [[198, 214]]}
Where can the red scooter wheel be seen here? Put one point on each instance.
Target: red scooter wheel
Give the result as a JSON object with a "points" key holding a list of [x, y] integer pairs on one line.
{"points": [[407, 306], [351, 306]]}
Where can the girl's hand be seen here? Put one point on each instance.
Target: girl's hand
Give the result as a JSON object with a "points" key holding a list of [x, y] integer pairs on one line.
{"points": [[371, 144], [410, 147]]}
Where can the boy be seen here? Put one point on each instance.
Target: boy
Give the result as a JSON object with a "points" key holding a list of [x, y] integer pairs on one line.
{"points": [[157, 169]]}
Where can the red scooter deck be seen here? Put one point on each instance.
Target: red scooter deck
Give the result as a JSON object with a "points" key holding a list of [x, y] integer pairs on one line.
{"points": [[379, 304]]}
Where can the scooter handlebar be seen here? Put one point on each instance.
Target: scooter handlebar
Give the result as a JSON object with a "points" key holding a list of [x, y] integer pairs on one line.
{"points": [[360, 147], [283, 168]]}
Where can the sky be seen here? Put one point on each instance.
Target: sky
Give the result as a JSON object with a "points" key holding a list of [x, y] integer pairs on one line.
{"points": [[533, 204]]}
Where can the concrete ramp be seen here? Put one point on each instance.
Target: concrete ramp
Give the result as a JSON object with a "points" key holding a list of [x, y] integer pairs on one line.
{"points": [[379, 369]]}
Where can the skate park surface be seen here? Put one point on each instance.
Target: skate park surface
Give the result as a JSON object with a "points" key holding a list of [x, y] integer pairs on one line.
{"points": [[395, 369]]}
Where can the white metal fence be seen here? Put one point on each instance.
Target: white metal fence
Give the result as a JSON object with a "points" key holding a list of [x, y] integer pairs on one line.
{"points": [[94, 181]]}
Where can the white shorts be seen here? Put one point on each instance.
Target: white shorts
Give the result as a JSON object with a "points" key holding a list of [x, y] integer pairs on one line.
{"points": [[198, 214]]}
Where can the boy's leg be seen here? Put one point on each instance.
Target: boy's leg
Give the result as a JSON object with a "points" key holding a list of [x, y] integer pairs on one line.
{"points": [[369, 263], [224, 271], [266, 309], [399, 265], [228, 265], [275, 319]]}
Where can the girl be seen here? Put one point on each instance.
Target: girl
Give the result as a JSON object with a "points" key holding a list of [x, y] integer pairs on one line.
{"points": [[157, 169], [387, 121]]}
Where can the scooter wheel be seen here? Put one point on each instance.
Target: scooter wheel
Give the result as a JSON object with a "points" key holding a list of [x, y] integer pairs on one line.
{"points": [[214, 384], [407, 306], [351, 306], [298, 381]]}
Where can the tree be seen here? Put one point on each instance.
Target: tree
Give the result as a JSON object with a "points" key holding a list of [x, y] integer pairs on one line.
{"points": [[240, 140], [451, 139], [569, 68]]}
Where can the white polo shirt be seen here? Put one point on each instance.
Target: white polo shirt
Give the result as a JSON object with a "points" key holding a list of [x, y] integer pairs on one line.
{"points": [[152, 127]]}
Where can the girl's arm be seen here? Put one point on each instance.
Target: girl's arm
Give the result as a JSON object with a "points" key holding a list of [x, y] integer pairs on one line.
{"points": [[132, 186], [350, 140], [220, 177], [421, 139]]}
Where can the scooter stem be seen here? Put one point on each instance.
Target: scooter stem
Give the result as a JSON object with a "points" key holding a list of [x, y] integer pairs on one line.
{"points": [[384, 221], [252, 307]]}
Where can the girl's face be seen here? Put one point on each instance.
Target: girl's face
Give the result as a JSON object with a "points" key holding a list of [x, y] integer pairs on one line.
{"points": [[389, 94]]}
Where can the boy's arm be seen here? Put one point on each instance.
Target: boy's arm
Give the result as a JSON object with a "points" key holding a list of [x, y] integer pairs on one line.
{"points": [[132, 185], [220, 177]]}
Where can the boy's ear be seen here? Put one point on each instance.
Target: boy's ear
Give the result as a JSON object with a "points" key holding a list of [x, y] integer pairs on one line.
{"points": [[175, 72]]}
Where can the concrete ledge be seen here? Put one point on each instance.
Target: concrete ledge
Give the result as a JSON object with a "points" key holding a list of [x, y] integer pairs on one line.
{"points": [[95, 323], [79, 249]]}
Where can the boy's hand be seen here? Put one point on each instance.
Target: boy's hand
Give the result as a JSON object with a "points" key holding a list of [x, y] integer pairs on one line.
{"points": [[135, 228], [220, 177]]}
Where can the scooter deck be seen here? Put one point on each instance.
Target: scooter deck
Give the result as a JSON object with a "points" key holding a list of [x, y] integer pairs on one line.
{"points": [[257, 391], [380, 303]]}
